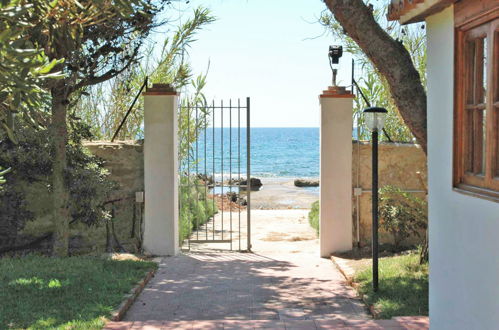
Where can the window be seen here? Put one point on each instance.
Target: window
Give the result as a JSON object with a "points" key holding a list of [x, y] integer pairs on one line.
{"points": [[476, 154]]}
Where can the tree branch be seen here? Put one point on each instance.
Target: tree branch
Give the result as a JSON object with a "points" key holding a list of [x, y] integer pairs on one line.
{"points": [[108, 75], [390, 58]]}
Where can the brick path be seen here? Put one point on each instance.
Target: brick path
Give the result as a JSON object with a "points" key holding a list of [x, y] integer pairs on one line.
{"points": [[282, 285], [408, 323]]}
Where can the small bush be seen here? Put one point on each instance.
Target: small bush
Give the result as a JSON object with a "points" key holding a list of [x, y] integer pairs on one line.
{"points": [[196, 207], [313, 216], [402, 214]]}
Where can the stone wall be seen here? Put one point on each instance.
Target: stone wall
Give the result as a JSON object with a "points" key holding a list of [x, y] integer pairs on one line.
{"points": [[398, 166], [125, 162]]}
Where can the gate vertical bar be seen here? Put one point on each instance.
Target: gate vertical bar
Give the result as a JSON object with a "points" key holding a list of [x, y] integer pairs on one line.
{"points": [[222, 162], [197, 169], [230, 170], [205, 168], [179, 155], [248, 172], [239, 166], [213, 152], [189, 172]]}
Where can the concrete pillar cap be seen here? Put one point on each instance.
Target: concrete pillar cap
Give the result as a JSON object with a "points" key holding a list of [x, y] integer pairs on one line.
{"points": [[337, 91], [161, 89]]}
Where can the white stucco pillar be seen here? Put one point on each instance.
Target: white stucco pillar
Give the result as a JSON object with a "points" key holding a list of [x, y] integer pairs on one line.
{"points": [[161, 171], [336, 171]]}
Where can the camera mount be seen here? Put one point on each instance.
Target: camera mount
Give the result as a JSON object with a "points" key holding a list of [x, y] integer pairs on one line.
{"points": [[335, 53]]}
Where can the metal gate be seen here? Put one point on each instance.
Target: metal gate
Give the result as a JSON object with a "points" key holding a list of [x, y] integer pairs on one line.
{"points": [[214, 169]]}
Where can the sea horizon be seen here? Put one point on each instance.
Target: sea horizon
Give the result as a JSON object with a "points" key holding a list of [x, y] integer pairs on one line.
{"points": [[276, 152]]}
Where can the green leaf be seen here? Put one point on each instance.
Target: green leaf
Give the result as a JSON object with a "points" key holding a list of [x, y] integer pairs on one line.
{"points": [[48, 67], [10, 133], [5, 171]]}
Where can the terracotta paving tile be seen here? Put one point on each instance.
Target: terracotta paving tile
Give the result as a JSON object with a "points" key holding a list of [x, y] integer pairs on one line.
{"points": [[329, 324], [208, 325], [414, 322], [361, 323], [292, 314], [300, 324], [161, 325], [251, 324], [272, 325], [118, 325]]}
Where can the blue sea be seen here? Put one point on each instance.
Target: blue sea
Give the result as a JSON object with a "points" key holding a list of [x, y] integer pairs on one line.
{"points": [[285, 152], [275, 152]]}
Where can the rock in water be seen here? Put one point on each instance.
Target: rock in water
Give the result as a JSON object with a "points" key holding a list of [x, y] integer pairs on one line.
{"points": [[255, 183], [232, 196], [306, 183]]}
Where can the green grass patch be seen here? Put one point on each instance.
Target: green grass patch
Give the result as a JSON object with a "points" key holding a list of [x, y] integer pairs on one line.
{"points": [[313, 217], [60, 293], [403, 286]]}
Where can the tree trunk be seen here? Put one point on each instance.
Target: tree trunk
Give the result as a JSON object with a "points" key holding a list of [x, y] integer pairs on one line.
{"points": [[60, 193], [390, 58]]}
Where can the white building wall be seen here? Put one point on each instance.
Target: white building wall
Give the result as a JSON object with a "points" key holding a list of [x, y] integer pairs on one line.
{"points": [[464, 231]]}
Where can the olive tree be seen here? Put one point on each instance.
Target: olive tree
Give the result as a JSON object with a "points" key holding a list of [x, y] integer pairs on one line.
{"points": [[97, 40], [24, 68]]}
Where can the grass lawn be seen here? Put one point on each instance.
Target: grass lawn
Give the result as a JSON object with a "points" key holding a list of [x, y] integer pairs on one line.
{"points": [[61, 293], [403, 286]]}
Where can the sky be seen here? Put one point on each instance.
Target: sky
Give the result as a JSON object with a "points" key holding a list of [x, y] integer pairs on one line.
{"points": [[273, 51]]}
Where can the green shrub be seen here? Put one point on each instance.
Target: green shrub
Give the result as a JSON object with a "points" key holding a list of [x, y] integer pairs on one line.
{"points": [[196, 208], [402, 214], [313, 216], [26, 193]]}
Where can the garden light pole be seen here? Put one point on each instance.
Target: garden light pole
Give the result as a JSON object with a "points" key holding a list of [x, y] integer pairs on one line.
{"points": [[375, 119]]}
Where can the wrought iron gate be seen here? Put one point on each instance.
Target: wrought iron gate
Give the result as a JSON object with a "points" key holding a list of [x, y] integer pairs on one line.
{"points": [[214, 168]]}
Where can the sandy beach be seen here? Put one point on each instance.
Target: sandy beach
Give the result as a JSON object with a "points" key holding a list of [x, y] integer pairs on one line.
{"points": [[280, 193]]}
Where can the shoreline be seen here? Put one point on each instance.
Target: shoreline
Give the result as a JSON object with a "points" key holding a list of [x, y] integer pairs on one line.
{"points": [[281, 193]]}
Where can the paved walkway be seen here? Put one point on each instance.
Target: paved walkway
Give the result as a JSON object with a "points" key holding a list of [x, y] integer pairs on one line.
{"points": [[282, 284]]}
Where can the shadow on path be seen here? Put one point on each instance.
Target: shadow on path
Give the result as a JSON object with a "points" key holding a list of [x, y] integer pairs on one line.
{"points": [[244, 286]]}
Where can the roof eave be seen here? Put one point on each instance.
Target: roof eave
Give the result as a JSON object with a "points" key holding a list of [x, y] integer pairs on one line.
{"points": [[419, 10]]}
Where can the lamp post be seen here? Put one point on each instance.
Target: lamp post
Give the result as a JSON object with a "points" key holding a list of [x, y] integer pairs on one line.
{"points": [[375, 119]]}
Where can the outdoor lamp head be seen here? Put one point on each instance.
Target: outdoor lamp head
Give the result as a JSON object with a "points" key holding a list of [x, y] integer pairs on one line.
{"points": [[335, 52], [375, 118]]}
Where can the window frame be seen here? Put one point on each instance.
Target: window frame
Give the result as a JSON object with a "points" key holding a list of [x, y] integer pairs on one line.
{"points": [[484, 185]]}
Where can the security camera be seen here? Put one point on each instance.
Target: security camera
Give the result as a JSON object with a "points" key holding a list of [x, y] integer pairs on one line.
{"points": [[335, 52]]}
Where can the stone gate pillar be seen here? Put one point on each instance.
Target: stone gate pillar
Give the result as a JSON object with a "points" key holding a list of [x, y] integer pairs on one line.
{"points": [[335, 171], [161, 170]]}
